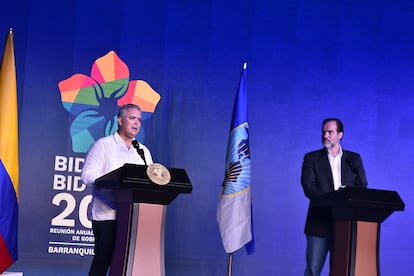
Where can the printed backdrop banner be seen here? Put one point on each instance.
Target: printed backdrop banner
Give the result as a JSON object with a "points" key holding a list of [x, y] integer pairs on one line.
{"points": [[77, 61], [93, 101]]}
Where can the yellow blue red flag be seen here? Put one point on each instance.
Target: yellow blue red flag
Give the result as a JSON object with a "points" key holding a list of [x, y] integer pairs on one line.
{"points": [[234, 212], [9, 157]]}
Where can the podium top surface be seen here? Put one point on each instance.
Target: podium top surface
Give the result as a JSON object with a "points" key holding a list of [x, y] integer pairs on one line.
{"points": [[132, 176], [131, 183], [354, 197]]}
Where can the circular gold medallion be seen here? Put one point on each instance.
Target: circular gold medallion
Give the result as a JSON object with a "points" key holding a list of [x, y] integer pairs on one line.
{"points": [[158, 174]]}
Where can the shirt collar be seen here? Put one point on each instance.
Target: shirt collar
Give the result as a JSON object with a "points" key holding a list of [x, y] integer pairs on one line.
{"points": [[340, 152], [118, 138]]}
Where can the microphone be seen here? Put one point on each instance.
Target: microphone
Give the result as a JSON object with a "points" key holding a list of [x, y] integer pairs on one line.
{"points": [[140, 151], [355, 171]]}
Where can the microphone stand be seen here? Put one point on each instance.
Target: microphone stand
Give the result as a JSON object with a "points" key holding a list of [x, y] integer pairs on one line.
{"points": [[140, 151]]}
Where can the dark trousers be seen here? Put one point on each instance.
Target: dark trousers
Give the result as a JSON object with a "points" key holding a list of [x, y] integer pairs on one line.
{"points": [[104, 232]]}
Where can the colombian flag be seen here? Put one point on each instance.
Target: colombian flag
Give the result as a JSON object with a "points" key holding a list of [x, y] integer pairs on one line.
{"points": [[9, 160]]}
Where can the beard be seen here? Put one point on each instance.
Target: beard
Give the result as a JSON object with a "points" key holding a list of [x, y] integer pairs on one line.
{"points": [[327, 144]]}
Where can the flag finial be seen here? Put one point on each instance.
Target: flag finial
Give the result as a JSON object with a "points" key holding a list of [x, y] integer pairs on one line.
{"points": [[244, 65], [10, 30]]}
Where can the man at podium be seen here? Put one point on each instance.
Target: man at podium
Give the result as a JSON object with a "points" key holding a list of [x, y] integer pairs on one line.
{"points": [[105, 155], [324, 171]]}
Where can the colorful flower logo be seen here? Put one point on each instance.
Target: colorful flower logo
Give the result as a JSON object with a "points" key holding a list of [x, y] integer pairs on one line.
{"points": [[92, 99]]}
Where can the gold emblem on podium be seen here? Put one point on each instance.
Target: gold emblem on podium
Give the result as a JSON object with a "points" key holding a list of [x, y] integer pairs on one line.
{"points": [[158, 174]]}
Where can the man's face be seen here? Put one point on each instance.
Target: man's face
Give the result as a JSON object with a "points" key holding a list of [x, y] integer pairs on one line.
{"points": [[130, 123], [330, 136]]}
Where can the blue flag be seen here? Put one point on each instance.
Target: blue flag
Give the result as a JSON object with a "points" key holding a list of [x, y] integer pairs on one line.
{"points": [[234, 212]]}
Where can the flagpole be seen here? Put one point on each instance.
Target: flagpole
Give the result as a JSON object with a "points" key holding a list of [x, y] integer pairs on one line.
{"points": [[230, 264], [230, 255]]}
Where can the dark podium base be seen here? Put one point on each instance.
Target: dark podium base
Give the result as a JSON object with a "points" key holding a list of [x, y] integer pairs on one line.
{"points": [[356, 249]]}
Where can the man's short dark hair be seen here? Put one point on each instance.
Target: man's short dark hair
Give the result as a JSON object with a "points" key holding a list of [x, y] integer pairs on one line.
{"points": [[339, 124]]}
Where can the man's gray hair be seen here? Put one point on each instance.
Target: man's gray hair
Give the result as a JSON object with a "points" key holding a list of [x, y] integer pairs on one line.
{"points": [[123, 108]]}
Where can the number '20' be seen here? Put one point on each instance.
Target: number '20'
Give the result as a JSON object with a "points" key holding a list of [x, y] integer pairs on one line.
{"points": [[62, 219]]}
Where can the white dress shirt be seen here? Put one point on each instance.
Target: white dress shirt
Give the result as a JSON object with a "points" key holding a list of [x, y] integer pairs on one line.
{"points": [[335, 162], [105, 155]]}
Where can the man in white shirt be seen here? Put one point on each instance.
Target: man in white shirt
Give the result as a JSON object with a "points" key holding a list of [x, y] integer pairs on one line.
{"points": [[106, 155]]}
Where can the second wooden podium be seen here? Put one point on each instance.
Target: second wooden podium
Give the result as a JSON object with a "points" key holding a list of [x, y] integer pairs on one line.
{"points": [[139, 246], [358, 214]]}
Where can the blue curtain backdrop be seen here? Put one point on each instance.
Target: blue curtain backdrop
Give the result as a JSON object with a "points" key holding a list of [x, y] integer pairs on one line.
{"points": [[307, 60]]}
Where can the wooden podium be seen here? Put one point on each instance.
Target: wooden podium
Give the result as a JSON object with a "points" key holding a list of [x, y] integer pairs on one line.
{"points": [[139, 245], [358, 214]]}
